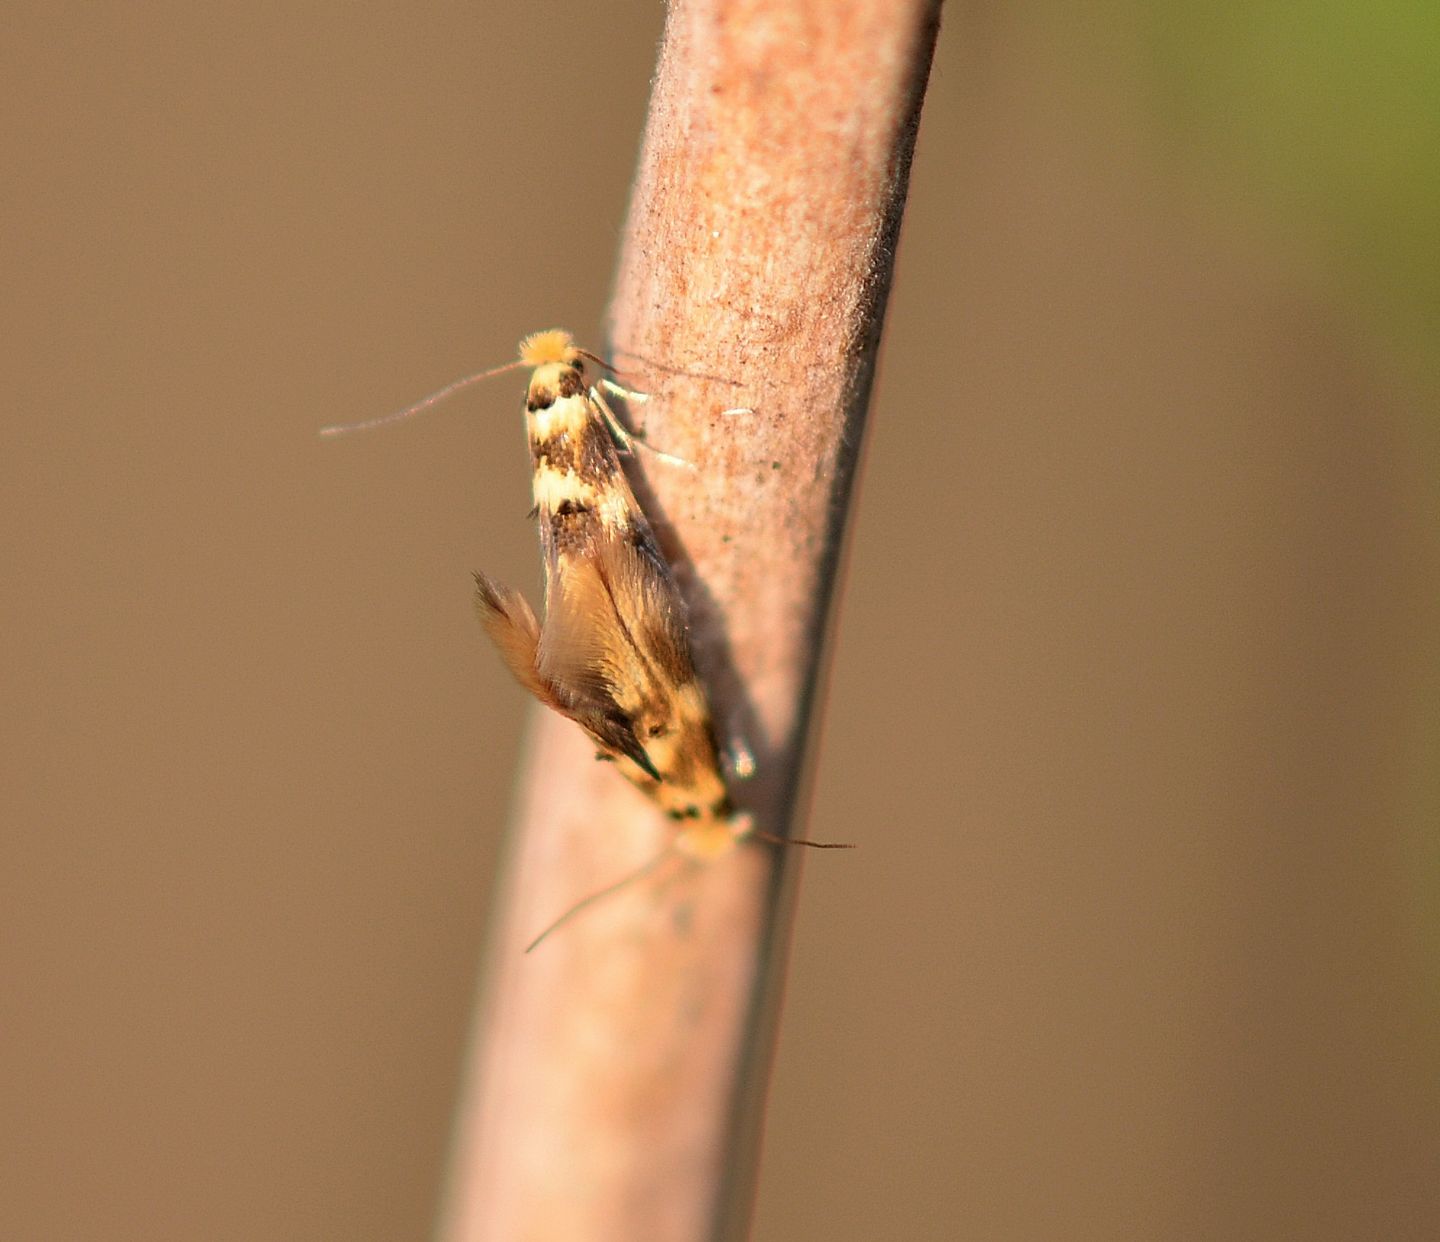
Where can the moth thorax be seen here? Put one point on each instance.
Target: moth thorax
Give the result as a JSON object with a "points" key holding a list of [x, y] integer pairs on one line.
{"points": [[554, 380]]}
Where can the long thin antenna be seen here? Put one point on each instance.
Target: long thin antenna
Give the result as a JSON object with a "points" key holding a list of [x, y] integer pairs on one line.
{"points": [[600, 894], [597, 360], [771, 837], [340, 429]]}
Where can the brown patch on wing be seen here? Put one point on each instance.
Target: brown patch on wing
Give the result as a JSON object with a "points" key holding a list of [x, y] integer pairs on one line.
{"points": [[569, 526], [588, 453]]}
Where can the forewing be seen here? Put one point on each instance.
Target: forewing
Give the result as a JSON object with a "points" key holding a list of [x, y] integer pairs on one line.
{"points": [[589, 660], [648, 602]]}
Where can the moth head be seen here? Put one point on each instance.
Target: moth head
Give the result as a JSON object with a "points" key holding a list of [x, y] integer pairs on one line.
{"points": [[555, 346], [557, 367]]}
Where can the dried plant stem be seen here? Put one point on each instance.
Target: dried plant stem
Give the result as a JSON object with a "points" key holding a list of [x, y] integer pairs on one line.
{"points": [[616, 1085]]}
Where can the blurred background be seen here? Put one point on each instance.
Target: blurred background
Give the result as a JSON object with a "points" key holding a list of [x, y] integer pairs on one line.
{"points": [[1135, 700]]}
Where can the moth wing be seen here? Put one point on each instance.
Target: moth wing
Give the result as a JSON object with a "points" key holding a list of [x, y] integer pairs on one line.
{"points": [[511, 624], [649, 602], [588, 658]]}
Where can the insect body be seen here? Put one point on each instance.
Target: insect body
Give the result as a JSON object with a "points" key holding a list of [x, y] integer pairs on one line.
{"points": [[612, 653]]}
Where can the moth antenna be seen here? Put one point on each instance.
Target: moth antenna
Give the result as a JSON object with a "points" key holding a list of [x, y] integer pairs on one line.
{"points": [[814, 845], [660, 366], [597, 360], [628, 394], [600, 894], [340, 429]]}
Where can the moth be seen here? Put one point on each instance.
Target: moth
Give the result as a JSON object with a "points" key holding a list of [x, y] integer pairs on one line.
{"points": [[613, 651]]}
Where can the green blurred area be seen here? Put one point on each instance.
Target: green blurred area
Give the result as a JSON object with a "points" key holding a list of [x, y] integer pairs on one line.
{"points": [[1329, 113], [1327, 116]]}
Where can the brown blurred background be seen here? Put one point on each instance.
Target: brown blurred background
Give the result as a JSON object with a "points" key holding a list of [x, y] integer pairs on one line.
{"points": [[1133, 703]]}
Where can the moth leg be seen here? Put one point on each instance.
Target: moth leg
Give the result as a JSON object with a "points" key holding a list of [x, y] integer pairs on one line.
{"points": [[625, 394], [628, 440], [639, 398]]}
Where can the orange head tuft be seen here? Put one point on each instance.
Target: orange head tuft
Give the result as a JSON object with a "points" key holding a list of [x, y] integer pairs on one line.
{"points": [[540, 348]]}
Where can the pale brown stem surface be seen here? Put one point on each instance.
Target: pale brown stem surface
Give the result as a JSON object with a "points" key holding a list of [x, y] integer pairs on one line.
{"points": [[618, 1077]]}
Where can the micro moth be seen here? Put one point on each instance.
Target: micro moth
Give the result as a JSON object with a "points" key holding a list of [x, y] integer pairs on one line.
{"points": [[613, 652]]}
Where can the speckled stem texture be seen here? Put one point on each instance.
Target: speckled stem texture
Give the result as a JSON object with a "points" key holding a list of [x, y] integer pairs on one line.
{"points": [[618, 1077]]}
